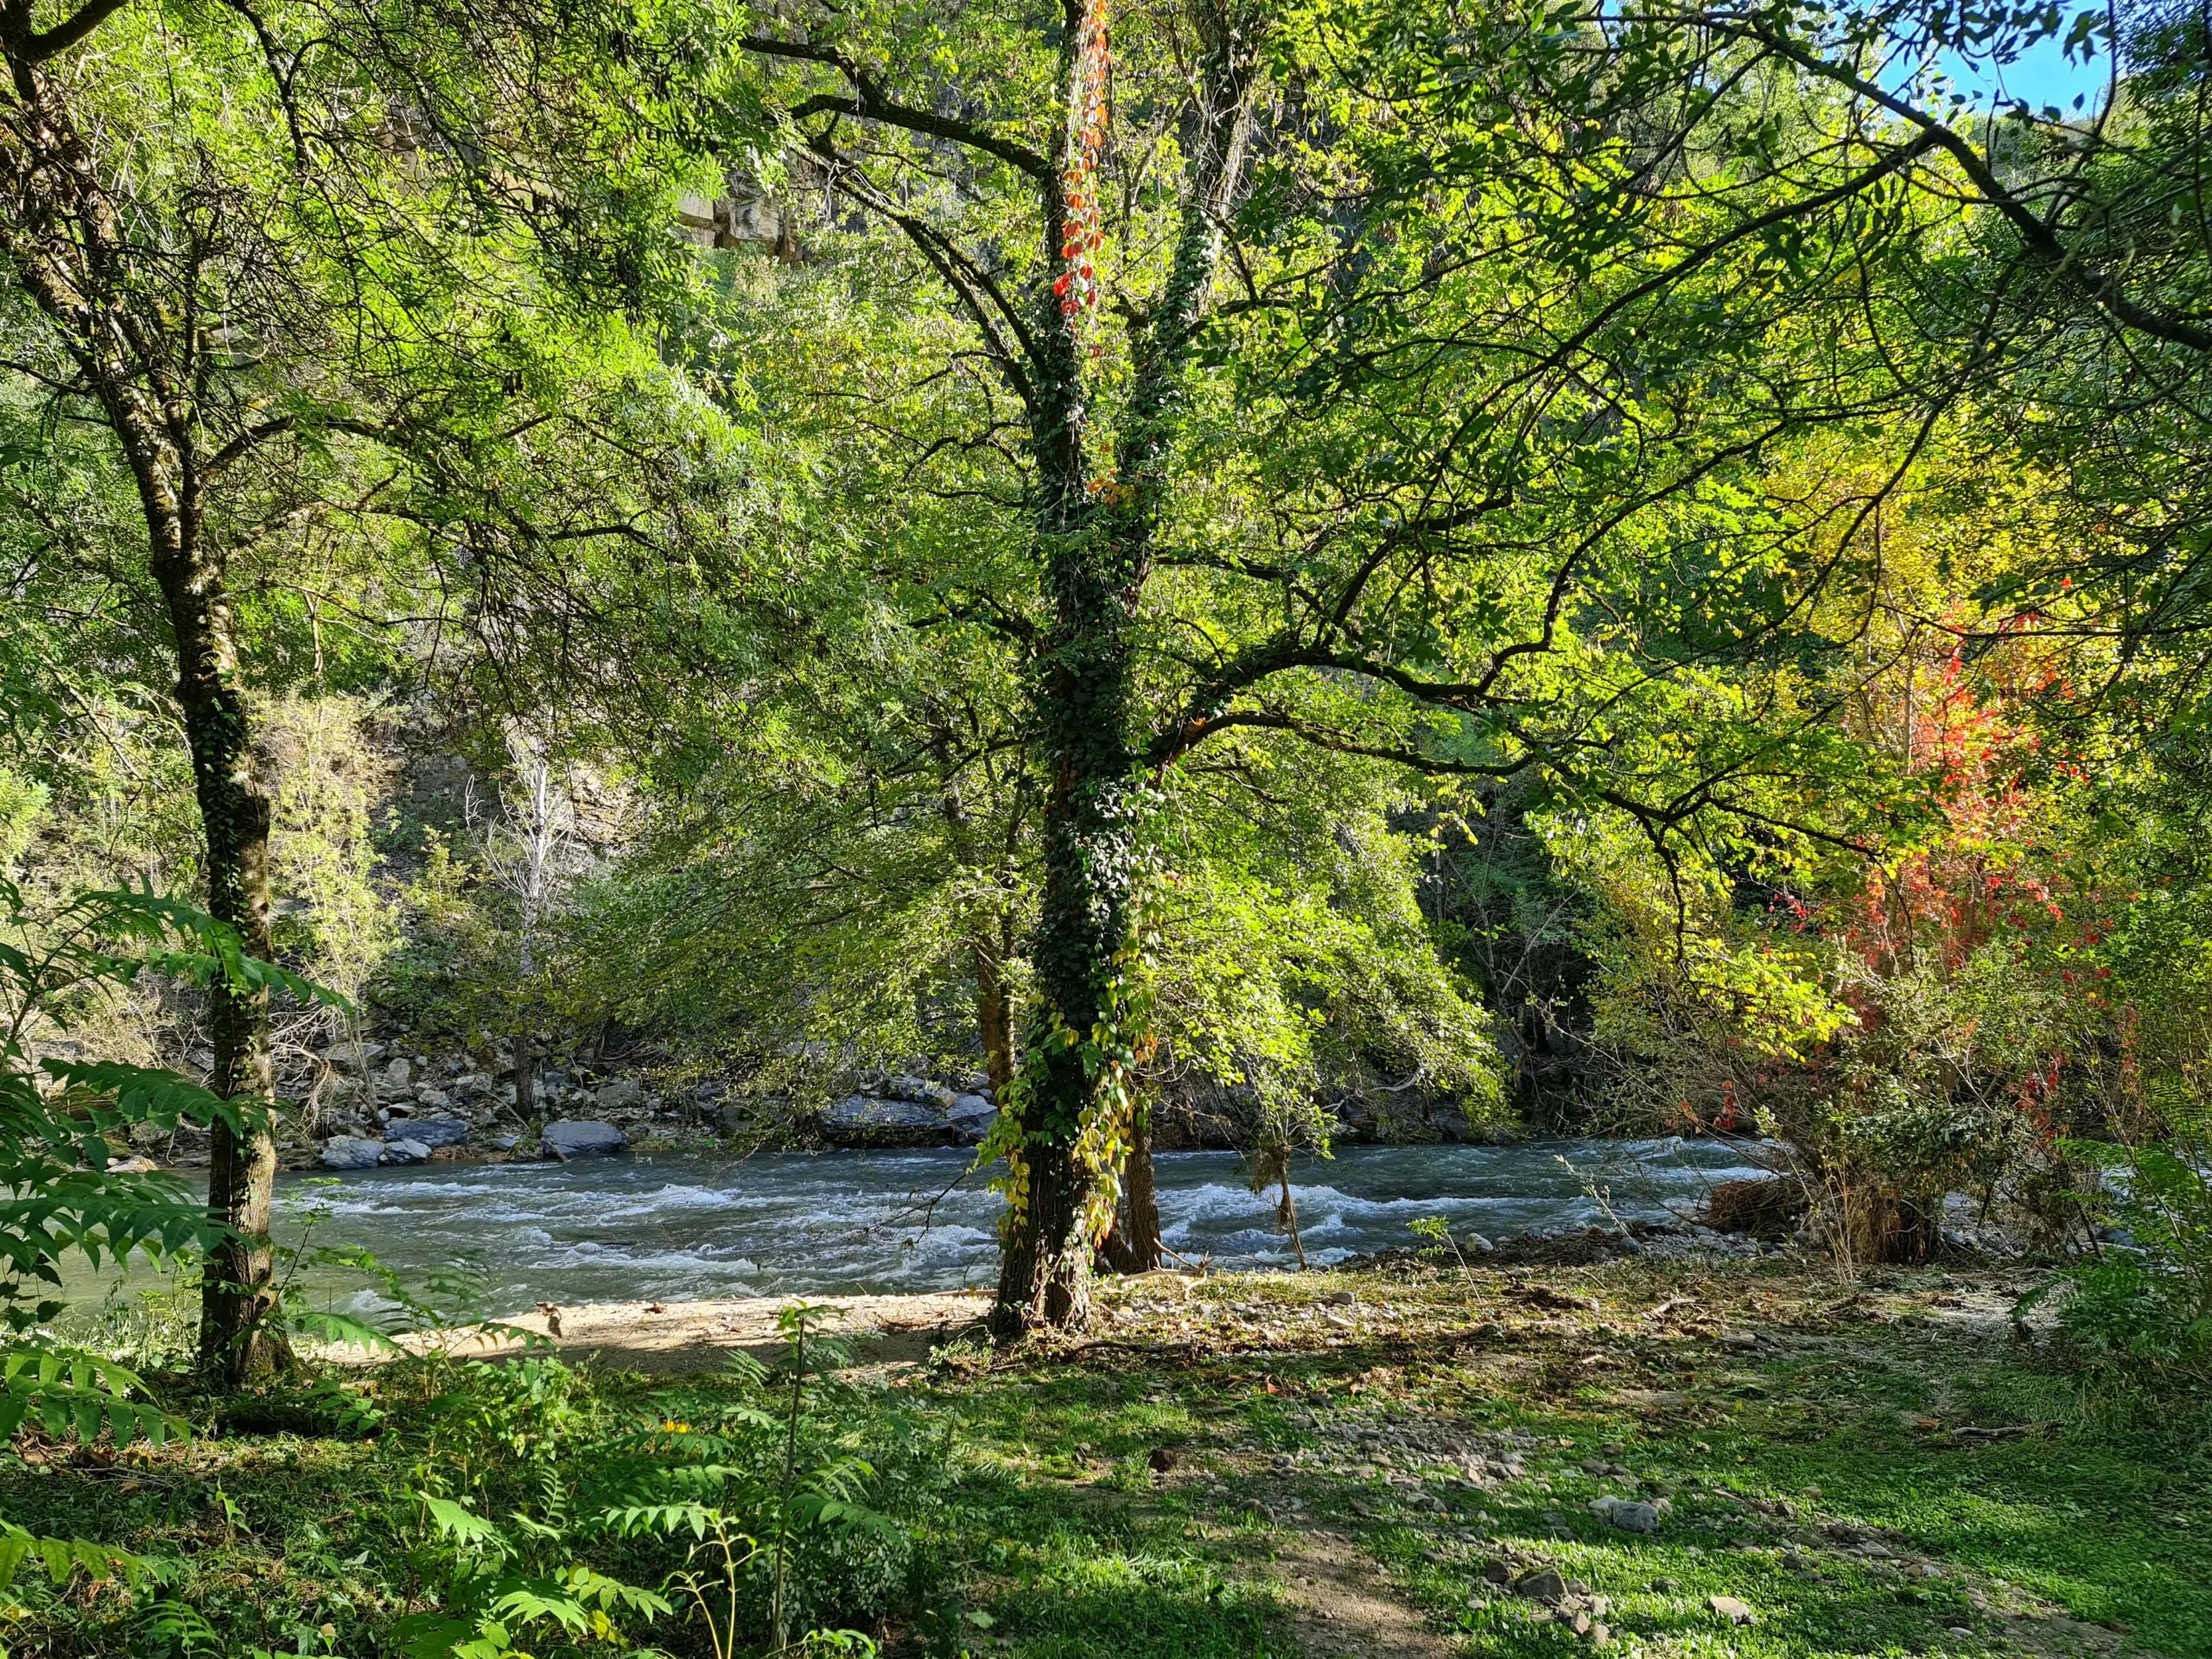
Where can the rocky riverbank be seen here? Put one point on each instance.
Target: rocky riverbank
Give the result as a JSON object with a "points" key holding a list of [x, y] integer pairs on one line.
{"points": [[357, 1104]]}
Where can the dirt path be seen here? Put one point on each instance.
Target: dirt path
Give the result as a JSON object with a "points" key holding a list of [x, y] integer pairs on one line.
{"points": [[1338, 1604]]}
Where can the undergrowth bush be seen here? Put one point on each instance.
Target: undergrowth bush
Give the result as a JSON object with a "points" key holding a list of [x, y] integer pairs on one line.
{"points": [[2142, 1299]]}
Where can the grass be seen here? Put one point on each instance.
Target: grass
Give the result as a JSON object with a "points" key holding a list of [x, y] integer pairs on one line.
{"points": [[1888, 1472]]}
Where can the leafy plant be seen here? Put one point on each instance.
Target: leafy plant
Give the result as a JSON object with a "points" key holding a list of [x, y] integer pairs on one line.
{"points": [[2142, 1298], [62, 1189]]}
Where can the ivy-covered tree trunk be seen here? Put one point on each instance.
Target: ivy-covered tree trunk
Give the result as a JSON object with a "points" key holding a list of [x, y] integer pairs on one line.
{"points": [[64, 241], [1074, 1103]]}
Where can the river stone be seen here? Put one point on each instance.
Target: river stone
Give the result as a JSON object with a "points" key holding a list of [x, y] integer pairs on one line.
{"points": [[574, 1137], [406, 1152], [397, 1074], [432, 1131], [350, 1152], [864, 1121]]}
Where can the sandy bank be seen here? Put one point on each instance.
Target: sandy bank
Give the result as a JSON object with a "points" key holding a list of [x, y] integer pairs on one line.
{"points": [[696, 1336]]}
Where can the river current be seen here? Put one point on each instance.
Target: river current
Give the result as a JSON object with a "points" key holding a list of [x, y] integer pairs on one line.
{"points": [[683, 1225]]}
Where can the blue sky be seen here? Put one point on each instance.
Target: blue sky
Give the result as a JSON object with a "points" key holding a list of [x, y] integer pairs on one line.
{"points": [[2041, 75]]}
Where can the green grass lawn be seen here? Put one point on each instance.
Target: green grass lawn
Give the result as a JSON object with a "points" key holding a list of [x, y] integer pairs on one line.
{"points": [[1885, 1473]]}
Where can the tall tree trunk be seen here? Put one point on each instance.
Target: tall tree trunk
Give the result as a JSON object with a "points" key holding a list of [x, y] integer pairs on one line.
{"points": [[994, 1016], [239, 1337], [1140, 1197], [1063, 1165], [1075, 1100], [526, 1050], [525, 1074]]}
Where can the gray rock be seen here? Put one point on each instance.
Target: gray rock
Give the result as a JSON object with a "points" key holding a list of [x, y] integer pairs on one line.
{"points": [[1342, 1299], [864, 1121], [913, 1088], [1544, 1584], [1627, 1513], [397, 1075], [577, 1137], [406, 1152], [432, 1131], [972, 1116], [1476, 1244], [621, 1094], [436, 1099], [1735, 1611], [350, 1152]]}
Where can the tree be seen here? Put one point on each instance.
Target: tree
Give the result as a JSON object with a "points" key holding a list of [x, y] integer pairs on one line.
{"points": [[289, 296], [533, 851]]}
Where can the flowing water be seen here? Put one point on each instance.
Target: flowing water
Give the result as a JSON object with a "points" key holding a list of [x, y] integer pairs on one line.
{"points": [[675, 1226]]}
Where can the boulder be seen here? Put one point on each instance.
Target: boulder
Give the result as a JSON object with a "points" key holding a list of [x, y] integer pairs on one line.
{"points": [[406, 1152], [436, 1099], [350, 1152], [972, 1116], [1734, 1610], [580, 1137], [621, 1094], [864, 1121], [397, 1075], [432, 1131]]}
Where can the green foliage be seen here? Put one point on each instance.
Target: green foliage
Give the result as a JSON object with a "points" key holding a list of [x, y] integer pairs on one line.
{"points": [[60, 1193], [2141, 1300]]}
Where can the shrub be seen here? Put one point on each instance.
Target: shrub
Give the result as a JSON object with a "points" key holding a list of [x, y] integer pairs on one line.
{"points": [[2142, 1298]]}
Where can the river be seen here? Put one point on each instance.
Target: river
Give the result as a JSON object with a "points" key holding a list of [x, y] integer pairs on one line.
{"points": [[682, 1225]]}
